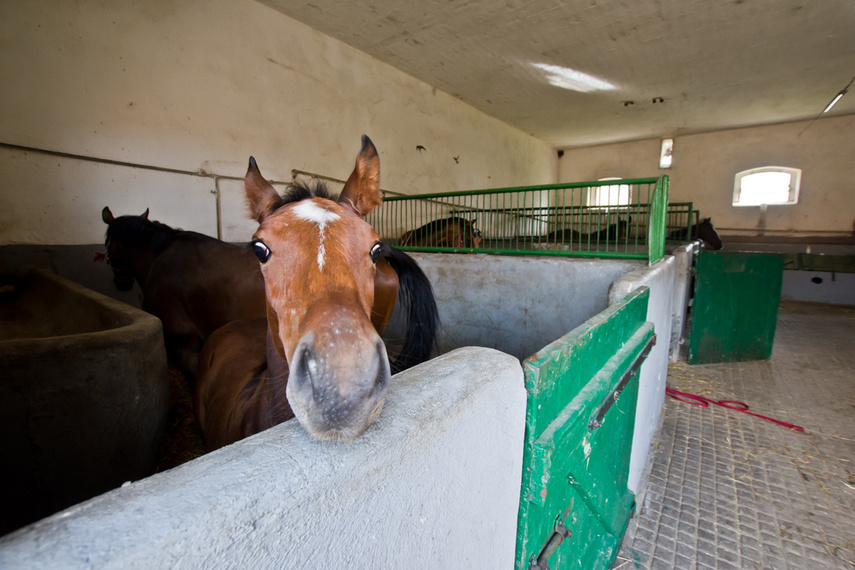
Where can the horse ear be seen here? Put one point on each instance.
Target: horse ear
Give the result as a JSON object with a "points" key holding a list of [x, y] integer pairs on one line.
{"points": [[261, 197], [144, 215], [107, 215], [362, 190]]}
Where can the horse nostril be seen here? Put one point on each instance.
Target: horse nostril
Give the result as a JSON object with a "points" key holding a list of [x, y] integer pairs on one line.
{"points": [[306, 362], [383, 371]]}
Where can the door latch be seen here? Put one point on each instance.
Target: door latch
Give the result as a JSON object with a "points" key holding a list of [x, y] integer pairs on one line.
{"points": [[558, 535]]}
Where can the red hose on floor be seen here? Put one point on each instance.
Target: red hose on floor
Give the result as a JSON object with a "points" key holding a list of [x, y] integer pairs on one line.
{"points": [[695, 400]]}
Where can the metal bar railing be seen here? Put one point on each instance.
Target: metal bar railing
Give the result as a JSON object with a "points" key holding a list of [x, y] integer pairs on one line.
{"points": [[624, 218]]}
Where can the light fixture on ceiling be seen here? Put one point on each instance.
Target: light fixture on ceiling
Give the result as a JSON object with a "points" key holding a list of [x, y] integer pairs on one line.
{"points": [[838, 97], [567, 78], [666, 153]]}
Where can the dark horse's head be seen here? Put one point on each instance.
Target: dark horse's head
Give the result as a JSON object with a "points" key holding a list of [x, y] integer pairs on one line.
{"points": [[118, 230], [318, 257], [708, 233]]}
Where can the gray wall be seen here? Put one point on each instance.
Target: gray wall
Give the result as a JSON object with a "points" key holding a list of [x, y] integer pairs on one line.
{"points": [[660, 278], [516, 304], [819, 287]]}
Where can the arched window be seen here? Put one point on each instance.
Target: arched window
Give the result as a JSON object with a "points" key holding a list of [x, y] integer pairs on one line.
{"points": [[767, 185]]}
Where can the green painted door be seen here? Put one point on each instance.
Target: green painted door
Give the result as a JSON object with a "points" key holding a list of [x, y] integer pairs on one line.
{"points": [[582, 392], [735, 310]]}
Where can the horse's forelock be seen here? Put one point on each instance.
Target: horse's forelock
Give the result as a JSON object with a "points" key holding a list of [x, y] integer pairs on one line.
{"points": [[299, 191]]}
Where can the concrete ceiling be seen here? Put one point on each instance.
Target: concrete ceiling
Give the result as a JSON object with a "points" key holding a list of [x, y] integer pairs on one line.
{"points": [[676, 67]]}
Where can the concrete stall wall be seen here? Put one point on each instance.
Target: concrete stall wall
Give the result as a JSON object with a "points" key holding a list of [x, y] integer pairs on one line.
{"points": [[661, 279], [84, 395], [705, 165], [683, 262], [819, 287], [199, 86], [520, 304], [516, 304], [434, 483]]}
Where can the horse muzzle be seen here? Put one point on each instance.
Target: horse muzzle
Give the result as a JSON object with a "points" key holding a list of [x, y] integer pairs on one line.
{"points": [[337, 384]]}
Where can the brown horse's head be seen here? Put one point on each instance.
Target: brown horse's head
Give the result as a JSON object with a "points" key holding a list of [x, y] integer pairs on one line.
{"points": [[123, 275], [318, 260]]}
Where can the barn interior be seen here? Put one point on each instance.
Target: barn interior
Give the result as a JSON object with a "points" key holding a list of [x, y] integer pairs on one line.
{"points": [[158, 106]]}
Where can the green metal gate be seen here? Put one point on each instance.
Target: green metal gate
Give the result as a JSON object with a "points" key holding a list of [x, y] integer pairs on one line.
{"points": [[582, 393], [735, 309]]}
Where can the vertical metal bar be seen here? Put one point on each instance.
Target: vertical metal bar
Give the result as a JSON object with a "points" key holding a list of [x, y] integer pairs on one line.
{"points": [[219, 207]]}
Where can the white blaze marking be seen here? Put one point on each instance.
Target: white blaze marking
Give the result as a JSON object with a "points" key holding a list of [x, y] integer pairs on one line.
{"points": [[311, 212]]}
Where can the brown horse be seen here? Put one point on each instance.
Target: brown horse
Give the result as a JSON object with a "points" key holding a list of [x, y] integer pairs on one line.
{"points": [[317, 355], [195, 283], [449, 232]]}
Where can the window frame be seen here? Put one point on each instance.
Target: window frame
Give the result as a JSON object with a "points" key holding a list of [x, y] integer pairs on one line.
{"points": [[794, 186]]}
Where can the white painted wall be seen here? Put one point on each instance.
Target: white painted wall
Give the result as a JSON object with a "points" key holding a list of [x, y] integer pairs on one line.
{"points": [[200, 86], [434, 483], [705, 165], [651, 384]]}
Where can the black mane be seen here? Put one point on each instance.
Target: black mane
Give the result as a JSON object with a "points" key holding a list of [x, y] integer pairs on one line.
{"points": [[136, 231]]}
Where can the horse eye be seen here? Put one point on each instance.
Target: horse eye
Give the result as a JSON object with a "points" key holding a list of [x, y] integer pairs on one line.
{"points": [[262, 252], [374, 254]]}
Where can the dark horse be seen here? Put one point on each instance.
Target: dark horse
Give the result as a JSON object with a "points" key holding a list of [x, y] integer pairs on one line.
{"points": [[448, 232], [610, 234], [704, 231], [192, 282], [317, 355]]}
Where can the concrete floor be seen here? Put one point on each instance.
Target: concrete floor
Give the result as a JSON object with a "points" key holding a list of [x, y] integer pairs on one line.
{"points": [[732, 491]]}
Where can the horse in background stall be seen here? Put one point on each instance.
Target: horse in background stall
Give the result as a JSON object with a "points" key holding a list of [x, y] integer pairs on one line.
{"points": [[192, 282], [317, 355], [611, 234], [449, 232], [703, 230]]}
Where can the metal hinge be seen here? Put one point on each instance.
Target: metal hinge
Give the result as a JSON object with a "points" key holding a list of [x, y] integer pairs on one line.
{"points": [[560, 532], [597, 419]]}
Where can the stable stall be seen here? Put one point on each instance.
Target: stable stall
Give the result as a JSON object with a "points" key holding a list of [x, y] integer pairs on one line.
{"points": [[551, 470]]}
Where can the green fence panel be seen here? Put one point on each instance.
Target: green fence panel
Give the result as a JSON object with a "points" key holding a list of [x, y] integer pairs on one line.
{"points": [[735, 310], [605, 218], [582, 393], [680, 218]]}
